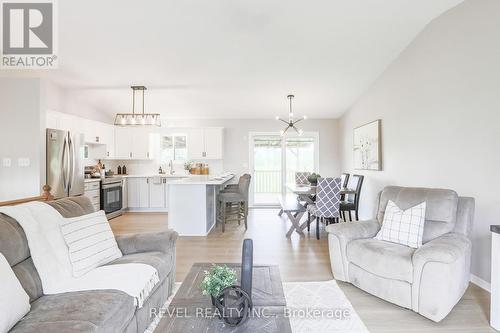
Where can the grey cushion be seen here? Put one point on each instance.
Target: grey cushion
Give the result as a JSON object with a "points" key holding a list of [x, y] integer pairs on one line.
{"points": [[73, 206], [146, 242], [395, 291], [441, 207], [465, 214], [13, 242], [385, 259], [30, 280], [86, 311]]}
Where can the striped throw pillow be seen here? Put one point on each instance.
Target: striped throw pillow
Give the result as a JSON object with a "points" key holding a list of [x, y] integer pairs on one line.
{"points": [[90, 242], [404, 227]]}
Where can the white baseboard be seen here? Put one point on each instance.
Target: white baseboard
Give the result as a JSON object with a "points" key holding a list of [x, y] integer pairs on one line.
{"points": [[480, 283]]}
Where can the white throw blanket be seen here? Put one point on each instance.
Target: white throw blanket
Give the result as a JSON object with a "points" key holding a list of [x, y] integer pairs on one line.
{"points": [[41, 224]]}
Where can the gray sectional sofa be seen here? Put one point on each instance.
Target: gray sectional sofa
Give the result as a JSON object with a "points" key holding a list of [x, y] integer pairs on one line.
{"points": [[429, 280], [89, 311]]}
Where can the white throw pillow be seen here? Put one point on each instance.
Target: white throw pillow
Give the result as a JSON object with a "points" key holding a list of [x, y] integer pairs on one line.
{"points": [[14, 302], [404, 227], [90, 241]]}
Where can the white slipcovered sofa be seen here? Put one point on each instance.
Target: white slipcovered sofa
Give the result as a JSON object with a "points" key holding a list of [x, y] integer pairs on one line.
{"points": [[429, 280]]}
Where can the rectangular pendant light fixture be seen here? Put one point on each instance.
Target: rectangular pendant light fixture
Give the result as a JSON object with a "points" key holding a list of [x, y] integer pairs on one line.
{"points": [[137, 119]]}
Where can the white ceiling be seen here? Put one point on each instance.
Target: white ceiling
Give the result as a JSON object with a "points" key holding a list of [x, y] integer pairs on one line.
{"points": [[233, 58]]}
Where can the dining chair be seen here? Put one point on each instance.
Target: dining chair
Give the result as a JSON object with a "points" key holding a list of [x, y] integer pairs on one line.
{"points": [[301, 178], [351, 201], [344, 179], [326, 207]]}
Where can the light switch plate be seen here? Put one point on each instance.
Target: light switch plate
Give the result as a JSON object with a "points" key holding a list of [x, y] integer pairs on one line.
{"points": [[7, 162], [23, 162]]}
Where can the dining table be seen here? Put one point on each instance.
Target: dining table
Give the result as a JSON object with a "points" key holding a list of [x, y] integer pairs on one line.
{"points": [[295, 208], [306, 192]]}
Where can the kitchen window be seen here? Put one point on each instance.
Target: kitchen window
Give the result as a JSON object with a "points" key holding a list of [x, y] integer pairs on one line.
{"points": [[173, 148]]}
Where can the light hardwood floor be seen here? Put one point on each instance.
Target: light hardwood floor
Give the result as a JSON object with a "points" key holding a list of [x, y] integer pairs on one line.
{"points": [[305, 259]]}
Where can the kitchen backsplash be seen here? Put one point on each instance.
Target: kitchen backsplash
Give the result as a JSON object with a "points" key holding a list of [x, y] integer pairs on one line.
{"points": [[151, 167]]}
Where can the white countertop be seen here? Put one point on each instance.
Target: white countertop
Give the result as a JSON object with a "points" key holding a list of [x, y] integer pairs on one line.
{"points": [[203, 180], [154, 175], [91, 180], [187, 179]]}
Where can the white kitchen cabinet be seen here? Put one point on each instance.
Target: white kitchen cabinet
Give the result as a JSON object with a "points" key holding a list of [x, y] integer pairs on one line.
{"points": [[102, 137], [123, 143], [133, 143], [196, 144], [141, 144], [108, 139], [125, 193], [52, 120], [157, 193], [213, 143], [205, 143], [63, 121], [138, 192], [91, 131]]}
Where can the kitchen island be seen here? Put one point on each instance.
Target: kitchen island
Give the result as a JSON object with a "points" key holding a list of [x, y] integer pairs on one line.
{"points": [[192, 203]]}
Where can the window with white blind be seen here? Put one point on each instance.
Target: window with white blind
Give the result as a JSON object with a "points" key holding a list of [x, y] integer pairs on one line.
{"points": [[173, 148]]}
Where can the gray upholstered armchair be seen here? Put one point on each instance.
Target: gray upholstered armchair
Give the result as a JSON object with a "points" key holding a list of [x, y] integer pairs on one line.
{"points": [[429, 280]]}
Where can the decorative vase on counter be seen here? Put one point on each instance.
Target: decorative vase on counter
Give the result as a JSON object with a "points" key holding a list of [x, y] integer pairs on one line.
{"points": [[124, 170]]}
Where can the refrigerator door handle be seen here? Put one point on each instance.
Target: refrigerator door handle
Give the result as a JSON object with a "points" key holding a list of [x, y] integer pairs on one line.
{"points": [[64, 164], [72, 162]]}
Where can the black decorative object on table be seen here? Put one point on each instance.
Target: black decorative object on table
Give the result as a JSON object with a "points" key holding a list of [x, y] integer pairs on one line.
{"points": [[235, 302]]}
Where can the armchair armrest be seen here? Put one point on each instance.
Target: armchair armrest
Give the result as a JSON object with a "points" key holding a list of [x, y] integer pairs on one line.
{"points": [[144, 242], [441, 274], [354, 230], [339, 235]]}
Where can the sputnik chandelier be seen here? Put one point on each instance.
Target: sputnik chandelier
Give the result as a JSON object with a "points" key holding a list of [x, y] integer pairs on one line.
{"points": [[291, 123]]}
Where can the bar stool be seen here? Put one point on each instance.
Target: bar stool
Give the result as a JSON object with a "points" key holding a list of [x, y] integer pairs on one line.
{"points": [[233, 203]]}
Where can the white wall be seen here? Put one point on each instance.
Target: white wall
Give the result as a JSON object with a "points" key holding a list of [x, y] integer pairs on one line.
{"points": [[440, 108], [236, 154], [21, 135]]}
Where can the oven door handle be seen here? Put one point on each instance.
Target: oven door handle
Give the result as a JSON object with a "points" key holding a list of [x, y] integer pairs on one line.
{"points": [[108, 186]]}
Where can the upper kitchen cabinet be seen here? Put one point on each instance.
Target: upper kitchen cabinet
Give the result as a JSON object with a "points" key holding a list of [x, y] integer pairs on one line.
{"points": [[108, 138], [134, 143], [102, 138], [205, 143], [63, 121], [214, 143]]}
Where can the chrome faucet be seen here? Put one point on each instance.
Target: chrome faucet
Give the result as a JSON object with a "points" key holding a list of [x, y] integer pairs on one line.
{"points": [[171, 167]]}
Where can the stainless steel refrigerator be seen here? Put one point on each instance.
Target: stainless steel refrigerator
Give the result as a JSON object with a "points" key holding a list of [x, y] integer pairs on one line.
{"points": [[65, 172]]}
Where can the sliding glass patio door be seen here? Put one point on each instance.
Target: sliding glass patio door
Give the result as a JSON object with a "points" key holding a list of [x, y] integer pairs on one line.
{"points": [[275, 159]]}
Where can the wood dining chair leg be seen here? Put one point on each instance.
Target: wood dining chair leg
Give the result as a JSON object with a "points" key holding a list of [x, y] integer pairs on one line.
{"points": [[357, 217], [308, 222], [350, 217]]}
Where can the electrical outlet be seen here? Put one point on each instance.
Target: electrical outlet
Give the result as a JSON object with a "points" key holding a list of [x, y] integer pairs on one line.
{"points": [[7, 162], [23, 162]]}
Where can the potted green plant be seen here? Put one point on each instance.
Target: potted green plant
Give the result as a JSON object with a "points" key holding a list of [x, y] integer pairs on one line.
{"points": [[188, 165], [216, 280], [313, 178]]}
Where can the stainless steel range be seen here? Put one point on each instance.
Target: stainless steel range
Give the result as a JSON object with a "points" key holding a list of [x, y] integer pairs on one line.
{"points": [[112, 196]]}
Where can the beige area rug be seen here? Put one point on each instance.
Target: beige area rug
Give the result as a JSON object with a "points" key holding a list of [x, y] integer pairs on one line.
{"points": [[313, 307], [320, 307]]}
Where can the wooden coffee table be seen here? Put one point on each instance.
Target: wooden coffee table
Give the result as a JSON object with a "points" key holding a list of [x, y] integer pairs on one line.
{"points": [[191, 311]]}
